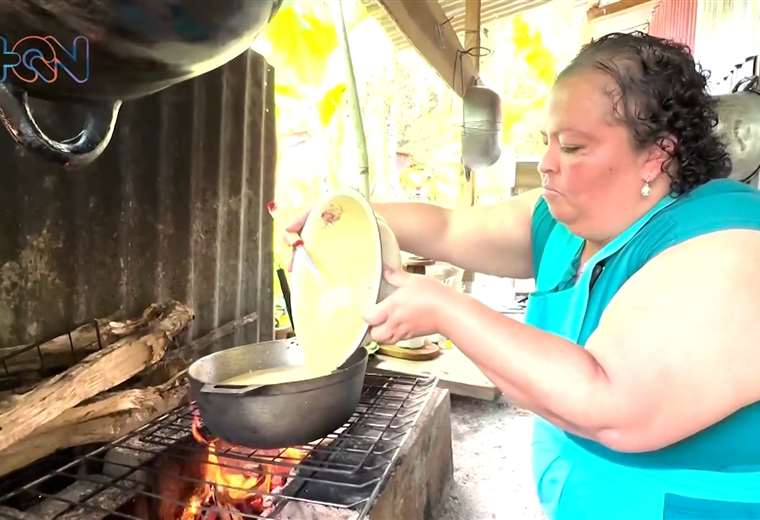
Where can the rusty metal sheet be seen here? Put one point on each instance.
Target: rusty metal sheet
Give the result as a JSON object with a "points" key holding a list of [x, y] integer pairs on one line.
{"points": [[173, 209]]}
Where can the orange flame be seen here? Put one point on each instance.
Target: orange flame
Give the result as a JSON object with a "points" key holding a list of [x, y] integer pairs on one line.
{"points": [[231, 481], [194, 507]]}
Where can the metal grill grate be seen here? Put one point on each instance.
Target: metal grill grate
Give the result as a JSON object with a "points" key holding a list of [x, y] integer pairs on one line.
{"points": [[343, 471], [38, 356]]}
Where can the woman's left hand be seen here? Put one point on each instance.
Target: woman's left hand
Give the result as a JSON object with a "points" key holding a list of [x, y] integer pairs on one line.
{"points": [[412, 310]]}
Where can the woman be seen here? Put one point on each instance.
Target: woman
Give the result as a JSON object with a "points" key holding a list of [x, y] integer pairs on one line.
{"points": [[641, 352]]}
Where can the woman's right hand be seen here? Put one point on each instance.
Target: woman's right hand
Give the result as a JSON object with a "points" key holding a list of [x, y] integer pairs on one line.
{"points": [[291, 234], [297, 225]]}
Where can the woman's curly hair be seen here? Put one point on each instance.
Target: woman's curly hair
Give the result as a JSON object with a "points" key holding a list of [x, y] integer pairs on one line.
{"points": [[661, 98]]}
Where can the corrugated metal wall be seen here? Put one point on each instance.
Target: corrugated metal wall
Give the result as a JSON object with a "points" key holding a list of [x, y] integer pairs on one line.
{"points": [[675, 20], [173, 209]]}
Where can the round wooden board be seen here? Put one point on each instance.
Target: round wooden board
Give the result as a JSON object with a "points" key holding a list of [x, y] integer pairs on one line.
{"points": [[427, 351]]}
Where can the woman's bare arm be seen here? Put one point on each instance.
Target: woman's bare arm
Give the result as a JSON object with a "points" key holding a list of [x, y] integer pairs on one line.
{"points": [[676, 350], [488, 239]]}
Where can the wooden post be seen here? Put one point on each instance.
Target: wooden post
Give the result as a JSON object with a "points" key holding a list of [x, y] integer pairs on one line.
{"points": [[356, 111], [426, 26], [595, 11], [472, 29], [472, 41]]}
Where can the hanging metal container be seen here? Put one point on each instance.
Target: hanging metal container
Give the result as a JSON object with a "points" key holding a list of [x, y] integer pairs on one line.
{"points": [[481, 127]]}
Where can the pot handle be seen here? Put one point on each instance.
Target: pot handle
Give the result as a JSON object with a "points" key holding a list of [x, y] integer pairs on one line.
{"points": [[228, 389], [85, 147]]}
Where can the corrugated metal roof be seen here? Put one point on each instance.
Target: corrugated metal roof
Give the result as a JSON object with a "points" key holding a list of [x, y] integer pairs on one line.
{"points": [[174, 208], [676, 21], [490, 10]]}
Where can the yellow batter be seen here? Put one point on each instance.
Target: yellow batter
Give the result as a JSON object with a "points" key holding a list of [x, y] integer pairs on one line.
{"points": [[273, 376], [342, 238]]}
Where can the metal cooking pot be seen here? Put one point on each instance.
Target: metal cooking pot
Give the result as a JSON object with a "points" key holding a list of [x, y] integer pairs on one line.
{"points": [[739, 128], [279, 415], [96, 53]]}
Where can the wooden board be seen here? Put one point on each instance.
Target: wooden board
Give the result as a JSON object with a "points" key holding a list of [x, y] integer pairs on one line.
{"points": [[424, 353], [454, 370]]}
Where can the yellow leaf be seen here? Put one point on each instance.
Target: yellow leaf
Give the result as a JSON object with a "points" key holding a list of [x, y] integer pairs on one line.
{"points": [[302, 41], [330, 102], [520, 33], [531, 46], [286, 90], [542, 62]]}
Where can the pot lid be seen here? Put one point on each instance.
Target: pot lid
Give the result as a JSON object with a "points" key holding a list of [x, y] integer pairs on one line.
{"points": [[337, 275]]}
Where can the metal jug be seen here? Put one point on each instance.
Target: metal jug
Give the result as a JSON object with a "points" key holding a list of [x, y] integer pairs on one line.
{"points": [[481, 127]]}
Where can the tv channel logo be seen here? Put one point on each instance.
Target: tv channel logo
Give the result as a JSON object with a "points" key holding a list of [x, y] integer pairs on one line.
{"points": [[43, 58]]}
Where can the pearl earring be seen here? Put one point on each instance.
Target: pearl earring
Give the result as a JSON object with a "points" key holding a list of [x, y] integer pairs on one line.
{"points": [[646, 189]]}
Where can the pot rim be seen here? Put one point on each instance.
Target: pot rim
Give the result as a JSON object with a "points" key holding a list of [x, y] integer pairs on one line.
{"points": [[356, 362]]}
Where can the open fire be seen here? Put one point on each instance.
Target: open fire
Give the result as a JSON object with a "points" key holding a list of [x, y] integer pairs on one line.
{"points": [[172, 469], [230, 486]]}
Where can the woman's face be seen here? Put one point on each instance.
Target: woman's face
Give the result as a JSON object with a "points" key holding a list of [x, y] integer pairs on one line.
{"points": [[591, 174]]}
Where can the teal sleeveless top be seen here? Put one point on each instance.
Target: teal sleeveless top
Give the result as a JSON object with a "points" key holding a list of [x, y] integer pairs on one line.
{"points": [[714, 473]]}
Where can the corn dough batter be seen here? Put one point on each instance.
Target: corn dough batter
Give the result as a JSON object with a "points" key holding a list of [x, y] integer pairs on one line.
{"points": [[272, 376]]}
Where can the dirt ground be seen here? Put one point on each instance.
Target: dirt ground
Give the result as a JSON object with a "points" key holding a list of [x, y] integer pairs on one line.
{"points": [[492, 471]]}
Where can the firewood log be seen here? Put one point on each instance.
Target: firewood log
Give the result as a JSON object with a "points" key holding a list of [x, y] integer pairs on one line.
{"points": [[103, 420], [97, 372], [181, 358], [57, 352]]}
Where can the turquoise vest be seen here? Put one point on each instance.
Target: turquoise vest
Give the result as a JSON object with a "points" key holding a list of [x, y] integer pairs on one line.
{"points": [[713, 474]]}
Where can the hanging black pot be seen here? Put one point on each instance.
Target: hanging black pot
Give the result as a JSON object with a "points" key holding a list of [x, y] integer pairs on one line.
{"points": [[96, 53]]}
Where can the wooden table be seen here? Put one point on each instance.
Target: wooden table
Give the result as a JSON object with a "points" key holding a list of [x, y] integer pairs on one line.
{"points": [[454, 370]]}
